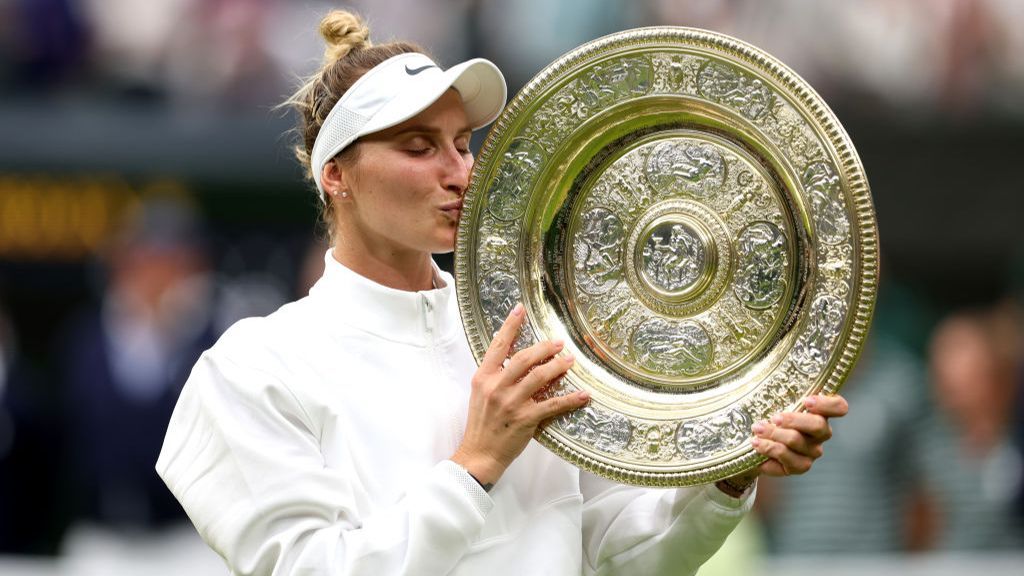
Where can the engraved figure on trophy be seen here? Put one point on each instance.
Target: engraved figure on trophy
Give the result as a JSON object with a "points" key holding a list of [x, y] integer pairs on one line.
{"points": [[494, 248], [625, 184], [607, 315], [760, 276], [696, 439], [569, 105], [597, 251], [499, 292], [696, 169], [607, 431], [823, 187], [654, 442], [509, 191], [666, 347], [610, 82], [726, 85], [743, 332], [824, 322], [734, 428], [676, 263]]}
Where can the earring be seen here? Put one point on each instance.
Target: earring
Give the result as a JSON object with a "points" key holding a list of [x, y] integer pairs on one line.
{"points": [[344, 194]]}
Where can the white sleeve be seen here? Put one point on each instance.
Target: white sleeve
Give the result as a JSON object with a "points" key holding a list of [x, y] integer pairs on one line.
{"points": [[630, 530], [243, 458]]}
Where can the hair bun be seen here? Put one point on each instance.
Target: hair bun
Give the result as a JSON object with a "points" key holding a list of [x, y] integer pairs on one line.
{"points": [[344, 32]]}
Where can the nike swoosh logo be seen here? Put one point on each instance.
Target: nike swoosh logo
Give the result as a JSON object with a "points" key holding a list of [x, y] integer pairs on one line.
{"points": [[415, 71]]}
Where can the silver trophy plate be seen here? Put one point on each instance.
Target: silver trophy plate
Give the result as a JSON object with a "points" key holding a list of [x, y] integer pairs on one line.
{"points": [[690, 217]]}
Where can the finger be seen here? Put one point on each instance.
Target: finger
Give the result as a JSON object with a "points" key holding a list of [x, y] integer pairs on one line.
{"points": [[783, 461], [525, 361], [503, 340], [828, 406], [812, 425], [544, 374], [793, 439], [559, 405]]}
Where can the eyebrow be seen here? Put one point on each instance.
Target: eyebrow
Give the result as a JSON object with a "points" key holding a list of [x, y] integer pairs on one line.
{"points": [[424, 129]]}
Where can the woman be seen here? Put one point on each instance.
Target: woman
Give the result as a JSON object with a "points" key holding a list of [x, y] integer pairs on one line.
{"points": [[351, 432]]}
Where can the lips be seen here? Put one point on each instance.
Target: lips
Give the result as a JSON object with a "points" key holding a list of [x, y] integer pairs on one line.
{"points": [[453, 207]]}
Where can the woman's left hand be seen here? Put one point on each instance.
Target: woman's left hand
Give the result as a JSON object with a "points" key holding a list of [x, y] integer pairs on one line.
{"points": [[792, 441]]}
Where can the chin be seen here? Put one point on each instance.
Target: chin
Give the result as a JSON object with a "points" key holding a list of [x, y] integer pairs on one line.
{"points": [[444, 244]]}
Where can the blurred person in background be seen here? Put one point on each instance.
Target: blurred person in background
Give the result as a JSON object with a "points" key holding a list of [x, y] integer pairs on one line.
{"points": [[857, 501], [971, 469], [125, 361], [30, 455], [353, 432]]}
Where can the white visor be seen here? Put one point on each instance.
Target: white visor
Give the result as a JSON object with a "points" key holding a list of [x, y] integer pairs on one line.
{"points": [[398, 89]]}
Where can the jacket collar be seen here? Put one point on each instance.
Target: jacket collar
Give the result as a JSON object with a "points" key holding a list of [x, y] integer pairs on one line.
{"points": [[416, 318]]}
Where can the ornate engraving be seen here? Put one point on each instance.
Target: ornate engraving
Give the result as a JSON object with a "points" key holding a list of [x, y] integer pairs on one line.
{"points": [[499, 293], [677, 167], [597, 251], [548, 128], [666, 347], [612, 317], [822, 184], [698, 439], [824, 322], [673, 256], [612, 81], [654, 442], [677, 259], [726, 85], [762, 260], [571, 105], [624, 182], [744, 330], [779, 393], [836, 268], [607, 431], [509, 191], [497, 249], [676, 73]]}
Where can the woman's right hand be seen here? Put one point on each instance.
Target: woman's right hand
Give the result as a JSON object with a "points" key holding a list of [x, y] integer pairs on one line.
{"points": [[503, 414]]}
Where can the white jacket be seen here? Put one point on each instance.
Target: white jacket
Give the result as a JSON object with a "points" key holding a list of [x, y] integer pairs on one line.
{"points": [[315, 441]]}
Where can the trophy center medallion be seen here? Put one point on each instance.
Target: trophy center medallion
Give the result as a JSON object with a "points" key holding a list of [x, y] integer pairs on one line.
{"points": [[674, 256]]}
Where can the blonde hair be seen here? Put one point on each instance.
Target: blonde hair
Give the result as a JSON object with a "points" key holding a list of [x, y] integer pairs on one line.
{"points": [[349, 55]]}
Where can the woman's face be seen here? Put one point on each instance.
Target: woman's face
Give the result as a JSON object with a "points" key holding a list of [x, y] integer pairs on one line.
{"points": [[407, 182]]}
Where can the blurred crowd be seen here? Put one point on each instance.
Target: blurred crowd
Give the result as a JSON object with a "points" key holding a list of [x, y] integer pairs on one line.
{"points": [[913, 55], [929, 459]]}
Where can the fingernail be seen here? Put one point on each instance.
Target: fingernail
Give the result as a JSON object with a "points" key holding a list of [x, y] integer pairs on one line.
{"points": [[759, 428], [755, 442], [810, 402], [777, 419], [584, 395], [518, 310], [558, 344], [569, 357]]}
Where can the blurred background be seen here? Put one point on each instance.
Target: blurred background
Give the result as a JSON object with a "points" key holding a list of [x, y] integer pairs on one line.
{"points": [[148, 199]]}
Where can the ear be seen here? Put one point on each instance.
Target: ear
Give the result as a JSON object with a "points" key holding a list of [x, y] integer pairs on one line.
{"points": [[334, 179]]}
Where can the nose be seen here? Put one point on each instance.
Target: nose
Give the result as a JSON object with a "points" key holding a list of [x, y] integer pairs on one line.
{"points": [[456, 170]]}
